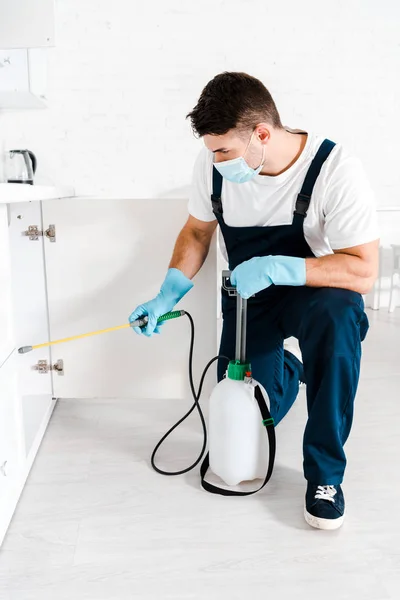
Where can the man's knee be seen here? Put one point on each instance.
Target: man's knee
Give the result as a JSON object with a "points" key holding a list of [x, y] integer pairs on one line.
{"points": [[336, 304], [337, 314]]}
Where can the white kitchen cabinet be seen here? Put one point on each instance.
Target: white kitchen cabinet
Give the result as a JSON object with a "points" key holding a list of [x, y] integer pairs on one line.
{"points": [[26, 397], [30, 315], [106, 257], [23, 77], [110, 256], [6, 336], [11, 443], [26, 23], [26, 29]]}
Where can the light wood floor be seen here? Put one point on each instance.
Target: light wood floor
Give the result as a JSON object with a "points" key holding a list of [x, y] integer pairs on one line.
{"points": [[96, 523]]}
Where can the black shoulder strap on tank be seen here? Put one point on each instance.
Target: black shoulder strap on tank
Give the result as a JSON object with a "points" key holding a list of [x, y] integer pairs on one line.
{"points": [[268, 423], [216, 192], [303, 199]]}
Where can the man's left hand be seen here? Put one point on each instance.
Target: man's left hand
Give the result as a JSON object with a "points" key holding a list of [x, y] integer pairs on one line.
{"points": [[260, 272]]}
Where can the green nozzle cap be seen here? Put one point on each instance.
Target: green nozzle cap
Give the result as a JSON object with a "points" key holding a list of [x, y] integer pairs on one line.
{"points": [[238, 370]]}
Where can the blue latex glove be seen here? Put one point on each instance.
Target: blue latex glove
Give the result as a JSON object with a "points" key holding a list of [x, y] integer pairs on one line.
{"points": [[175, 286], [260, 272]]}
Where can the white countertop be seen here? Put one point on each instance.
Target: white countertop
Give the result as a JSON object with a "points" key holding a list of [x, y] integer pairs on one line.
{"points": [[16, 192], [19, 192]]}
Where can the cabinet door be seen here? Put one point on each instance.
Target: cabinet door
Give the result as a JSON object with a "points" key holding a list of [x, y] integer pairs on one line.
{"points": [[10, 430], [26, 24], [30, 317], [6, 339], [110, 256]]}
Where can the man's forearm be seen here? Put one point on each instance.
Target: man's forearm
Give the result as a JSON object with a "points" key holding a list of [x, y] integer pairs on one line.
{"points": [[341, 271], [190, 252]]}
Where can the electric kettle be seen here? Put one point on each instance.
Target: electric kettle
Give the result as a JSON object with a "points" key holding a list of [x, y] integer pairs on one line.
{"points": [[20, 166]]}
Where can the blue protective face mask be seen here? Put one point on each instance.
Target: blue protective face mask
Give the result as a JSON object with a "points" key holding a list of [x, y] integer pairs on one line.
{"points": [[237, 170]]}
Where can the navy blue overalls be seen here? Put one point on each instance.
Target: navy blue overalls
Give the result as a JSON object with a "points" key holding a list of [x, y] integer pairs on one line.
{"points": [[329, 323]]}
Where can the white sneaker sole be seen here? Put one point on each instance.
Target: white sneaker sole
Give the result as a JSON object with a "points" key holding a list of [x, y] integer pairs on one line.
{"points": [[318, 523]]}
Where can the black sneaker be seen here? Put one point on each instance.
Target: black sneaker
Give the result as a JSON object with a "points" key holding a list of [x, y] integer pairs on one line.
{"points": [[324, 507]]}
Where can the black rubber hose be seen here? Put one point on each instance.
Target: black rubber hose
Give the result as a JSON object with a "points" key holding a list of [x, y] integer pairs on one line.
{"points": [[196, 404]]}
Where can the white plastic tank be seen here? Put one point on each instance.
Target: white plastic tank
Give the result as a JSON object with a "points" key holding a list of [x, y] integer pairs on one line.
{"points": [[238, 442]]}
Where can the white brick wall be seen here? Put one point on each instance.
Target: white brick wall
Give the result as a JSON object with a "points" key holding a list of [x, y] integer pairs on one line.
{"points": [[124, 74]]}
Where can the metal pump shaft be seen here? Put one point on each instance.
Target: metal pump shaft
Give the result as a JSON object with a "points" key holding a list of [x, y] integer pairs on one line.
{"points": [[241, 317]]}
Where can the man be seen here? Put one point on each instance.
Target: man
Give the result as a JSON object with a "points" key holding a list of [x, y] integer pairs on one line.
{"points": [[298, 228]]}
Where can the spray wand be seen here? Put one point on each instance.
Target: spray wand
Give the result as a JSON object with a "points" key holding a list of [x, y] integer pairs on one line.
{"points": [[138, 323]]}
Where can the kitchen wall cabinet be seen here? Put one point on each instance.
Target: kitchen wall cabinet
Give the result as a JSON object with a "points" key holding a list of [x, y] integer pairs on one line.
{"points": [[26, 23]]}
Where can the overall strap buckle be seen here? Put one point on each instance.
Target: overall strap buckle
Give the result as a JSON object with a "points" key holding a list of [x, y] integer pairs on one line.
{"points": [[216, 204], [304, 198], [302, 204], [216, 192]]}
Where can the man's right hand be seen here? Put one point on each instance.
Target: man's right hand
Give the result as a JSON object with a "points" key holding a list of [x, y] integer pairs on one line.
{"points": [[153, 309], [175, 286]]}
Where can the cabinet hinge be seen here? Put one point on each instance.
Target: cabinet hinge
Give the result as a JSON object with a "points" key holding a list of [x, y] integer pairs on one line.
{"points": [[43, 367], [33, 232]]}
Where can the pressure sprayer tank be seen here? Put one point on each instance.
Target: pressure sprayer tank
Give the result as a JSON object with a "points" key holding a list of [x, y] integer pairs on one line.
{"points": [[238, 445]]}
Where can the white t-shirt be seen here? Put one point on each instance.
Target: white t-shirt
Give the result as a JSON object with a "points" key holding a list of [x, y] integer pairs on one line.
{"points": [[341, 212]]}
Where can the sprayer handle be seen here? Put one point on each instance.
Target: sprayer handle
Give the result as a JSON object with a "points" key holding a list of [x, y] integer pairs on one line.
{"points": [[174, 314], [226, 283]]}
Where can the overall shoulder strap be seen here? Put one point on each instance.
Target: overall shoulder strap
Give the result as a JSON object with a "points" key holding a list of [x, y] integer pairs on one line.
{"points": [[303, 199], [216, 192]]}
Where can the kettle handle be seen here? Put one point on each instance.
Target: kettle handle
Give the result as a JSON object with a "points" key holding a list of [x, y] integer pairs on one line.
{"points": [[33, 159]]}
